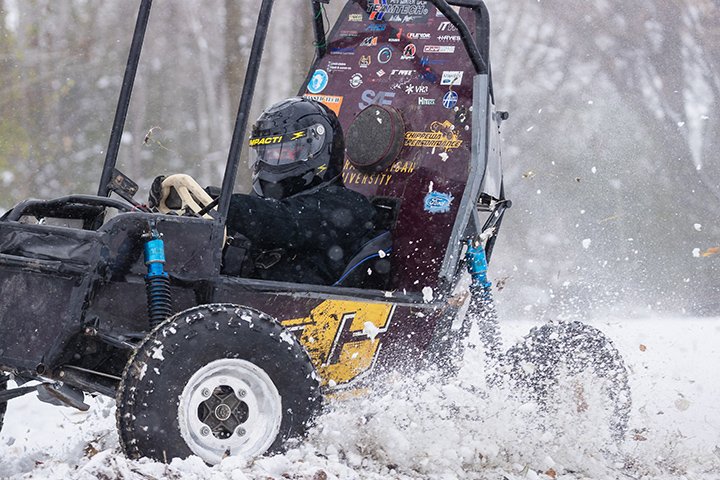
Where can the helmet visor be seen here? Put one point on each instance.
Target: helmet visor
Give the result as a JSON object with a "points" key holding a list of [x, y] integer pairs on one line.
{"points": [[285, 149]]}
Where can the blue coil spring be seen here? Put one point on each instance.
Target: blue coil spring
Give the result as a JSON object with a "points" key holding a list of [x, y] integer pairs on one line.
{"points": [[159, 299]]}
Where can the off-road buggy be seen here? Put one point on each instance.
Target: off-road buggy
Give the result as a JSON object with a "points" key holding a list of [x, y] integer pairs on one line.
{"points": [[148, 308]]}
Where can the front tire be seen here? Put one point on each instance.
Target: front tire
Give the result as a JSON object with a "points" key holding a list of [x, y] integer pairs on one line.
{"points": [[213, 381], [576, 366]]}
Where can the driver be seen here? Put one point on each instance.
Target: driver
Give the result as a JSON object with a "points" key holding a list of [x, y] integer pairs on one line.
{"points": [[301, 223]]}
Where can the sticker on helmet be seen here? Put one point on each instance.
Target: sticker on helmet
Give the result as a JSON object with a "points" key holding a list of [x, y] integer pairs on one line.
{"points": [[274, 139]]}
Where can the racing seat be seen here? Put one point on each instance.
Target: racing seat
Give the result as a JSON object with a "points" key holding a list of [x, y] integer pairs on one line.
{"points": [[370, 266]]}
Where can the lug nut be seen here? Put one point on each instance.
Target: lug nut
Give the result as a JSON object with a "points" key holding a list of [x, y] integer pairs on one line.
{"points": [[205, 431], [205, 392], [241, 393], [240, 431]]}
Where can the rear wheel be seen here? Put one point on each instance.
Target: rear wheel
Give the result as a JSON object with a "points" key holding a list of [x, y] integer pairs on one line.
{"points": [[214, 381], [3, 405], [577, 376]]}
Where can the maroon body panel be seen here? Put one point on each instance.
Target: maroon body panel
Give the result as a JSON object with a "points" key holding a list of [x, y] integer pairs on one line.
{"points": [[417, 64]]}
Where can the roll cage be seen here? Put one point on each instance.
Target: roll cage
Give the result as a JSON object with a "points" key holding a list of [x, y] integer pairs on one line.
{"points": [[484, 188]]}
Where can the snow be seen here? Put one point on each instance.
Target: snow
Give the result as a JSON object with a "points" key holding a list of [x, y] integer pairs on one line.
{"points": [[426, 428], [371, 330], [427, 293]]}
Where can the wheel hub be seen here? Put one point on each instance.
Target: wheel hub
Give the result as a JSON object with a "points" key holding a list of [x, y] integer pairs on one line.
{"points": [[229, 405], [223, 411]]}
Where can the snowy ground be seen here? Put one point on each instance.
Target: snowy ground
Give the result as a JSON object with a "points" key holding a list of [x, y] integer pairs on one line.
{"points": [[437, 431]]}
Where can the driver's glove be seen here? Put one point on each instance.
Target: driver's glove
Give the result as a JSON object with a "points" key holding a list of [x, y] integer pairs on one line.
{"points": [[155, 192]]}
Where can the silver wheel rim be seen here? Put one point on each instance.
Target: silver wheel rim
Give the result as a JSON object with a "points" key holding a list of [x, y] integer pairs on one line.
{"points": [[229, 406]]}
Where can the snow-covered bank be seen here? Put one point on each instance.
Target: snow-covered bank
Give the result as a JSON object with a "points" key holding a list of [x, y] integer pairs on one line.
{"points": [[437, 431]]}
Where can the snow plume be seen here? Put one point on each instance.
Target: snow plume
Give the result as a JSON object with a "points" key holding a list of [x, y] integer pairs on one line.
{"points": [[429, 426]]}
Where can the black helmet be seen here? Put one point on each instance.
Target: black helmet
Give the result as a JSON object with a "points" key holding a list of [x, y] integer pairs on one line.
{"points": [[295, 145]]}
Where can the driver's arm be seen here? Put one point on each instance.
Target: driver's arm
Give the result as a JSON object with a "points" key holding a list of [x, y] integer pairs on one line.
{"points": [[316, 221]]}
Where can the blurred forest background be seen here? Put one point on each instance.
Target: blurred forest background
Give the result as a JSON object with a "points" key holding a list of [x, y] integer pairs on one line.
{"points": [[611, 152]]}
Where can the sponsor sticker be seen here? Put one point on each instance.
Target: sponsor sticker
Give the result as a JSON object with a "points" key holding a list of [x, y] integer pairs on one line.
{"points": [[377, 9], [439, 49], [405, 18], [376, 27], [356, 80], [402, 11], [450, 99], [333, 102], [451, 77], [343, 338], [396, 36], [402, 73], [426, 102], [318, 81], [365, 61], [449, 38], [342, 50], [371, 97], [427, 61], [447, 27], [369, 42], [438, 202], [338, 67], [384, 55], [417, 89], [441, 135], [417, 36], [409, 52], [380, 73], [355, 17]]}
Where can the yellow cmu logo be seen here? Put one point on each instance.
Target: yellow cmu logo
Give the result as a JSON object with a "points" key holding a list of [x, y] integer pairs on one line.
{"points": [[343, 337]]}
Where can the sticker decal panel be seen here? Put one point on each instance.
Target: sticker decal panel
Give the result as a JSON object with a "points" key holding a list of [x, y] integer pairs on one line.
{"points": [[438, 202], [405, 55], [318, 81], [342, 337]]}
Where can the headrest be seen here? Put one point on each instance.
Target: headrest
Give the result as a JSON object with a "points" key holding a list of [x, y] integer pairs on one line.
{"points": [[375, 138]]}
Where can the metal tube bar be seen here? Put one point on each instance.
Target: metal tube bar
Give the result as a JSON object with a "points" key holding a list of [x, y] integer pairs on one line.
{"points": [[15, 393], [319, 29], [478, 61], [244, 109], [124, 100]]}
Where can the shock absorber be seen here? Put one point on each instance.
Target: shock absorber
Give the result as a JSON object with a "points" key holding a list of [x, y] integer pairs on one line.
{"points": [[482, 306], [157, 281]]}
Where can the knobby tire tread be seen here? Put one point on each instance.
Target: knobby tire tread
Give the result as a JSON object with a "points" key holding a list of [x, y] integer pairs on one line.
{"points": [[583, 347], [219, 321]]}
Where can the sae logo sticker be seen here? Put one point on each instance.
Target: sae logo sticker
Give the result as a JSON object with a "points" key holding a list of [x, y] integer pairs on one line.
{"points": [[438, 202], [318, 81]]}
